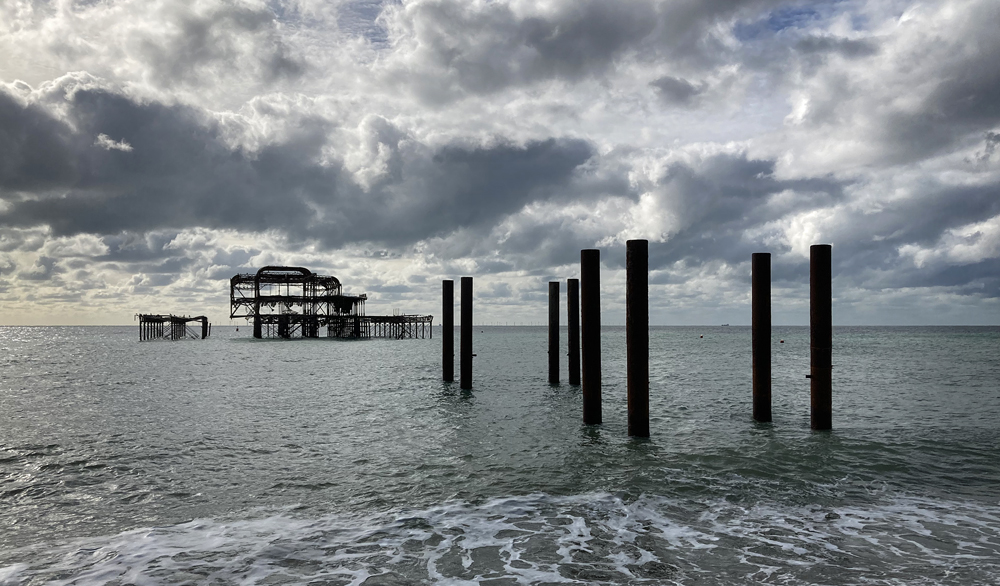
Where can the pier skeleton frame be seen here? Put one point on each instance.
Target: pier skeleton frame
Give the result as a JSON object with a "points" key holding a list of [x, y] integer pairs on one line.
{"points": [[294, 302], [171, 327]]}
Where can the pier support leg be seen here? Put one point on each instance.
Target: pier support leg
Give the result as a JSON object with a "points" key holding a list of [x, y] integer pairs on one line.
{"points": [[448, 329], [465, 360], [204, 328], [821, 336], [760, 291], [590, 322], [554, 332], [637, 335], [573, 327]]}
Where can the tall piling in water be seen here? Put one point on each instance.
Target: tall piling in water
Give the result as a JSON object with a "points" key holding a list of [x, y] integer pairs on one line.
{"points": [[637, 335], [573, 329], [590, 322], [465, 360], [204, 328], [760, 292], [448, 329], [820, 336], [554, 332]]}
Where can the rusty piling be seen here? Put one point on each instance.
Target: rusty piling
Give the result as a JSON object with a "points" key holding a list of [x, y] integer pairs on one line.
{"points": [[573, 329], [554, 332], [820, 336], [760, 303], [465, 358], [448, 329], [590, 338], [637, 335]]}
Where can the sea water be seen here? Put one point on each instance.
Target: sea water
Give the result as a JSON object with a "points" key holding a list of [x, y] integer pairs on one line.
{"points": [[238, 461]]}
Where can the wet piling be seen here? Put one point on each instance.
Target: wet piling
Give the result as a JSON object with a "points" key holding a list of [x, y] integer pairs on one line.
{"points": [[760, 291], [554, 332], [637, 335], [590, 335], [573, 329], [465, 360], [448, 329], [820, 336]]}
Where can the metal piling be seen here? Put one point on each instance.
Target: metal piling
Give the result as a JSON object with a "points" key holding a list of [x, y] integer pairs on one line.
{"points": [[637, 335], [554, 332], [590, 322], [820, 336], [760, 292], [465, 360], [573, 329], [448, 329]]}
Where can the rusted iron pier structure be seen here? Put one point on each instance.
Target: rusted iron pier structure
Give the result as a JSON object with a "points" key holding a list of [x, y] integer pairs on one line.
{"points": [[397, 326], [294, 302], [172, 327]]}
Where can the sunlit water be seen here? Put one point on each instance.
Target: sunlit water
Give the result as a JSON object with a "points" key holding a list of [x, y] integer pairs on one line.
{"points": [[230, 460]]}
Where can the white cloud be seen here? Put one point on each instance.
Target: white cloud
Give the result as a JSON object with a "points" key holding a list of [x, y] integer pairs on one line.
{"points": [[104, 141], [400, 143]]}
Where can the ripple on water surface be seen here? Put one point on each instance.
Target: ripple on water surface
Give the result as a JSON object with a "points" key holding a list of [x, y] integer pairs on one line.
{"points": [[344, 462]]}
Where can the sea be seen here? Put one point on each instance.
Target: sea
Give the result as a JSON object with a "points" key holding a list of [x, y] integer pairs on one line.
{"points": [[231, 460]]}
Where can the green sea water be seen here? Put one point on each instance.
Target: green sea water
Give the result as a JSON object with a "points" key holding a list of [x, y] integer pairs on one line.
{"points": [[233, 460]]}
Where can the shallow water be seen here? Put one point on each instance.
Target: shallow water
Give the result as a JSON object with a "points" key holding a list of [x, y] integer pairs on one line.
{"points": [[348, 462]]}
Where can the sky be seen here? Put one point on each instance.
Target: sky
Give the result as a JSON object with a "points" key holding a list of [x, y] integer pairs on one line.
{"points": [[152, 149]]}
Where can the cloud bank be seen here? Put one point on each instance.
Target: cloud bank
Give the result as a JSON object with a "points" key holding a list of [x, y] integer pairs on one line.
{"points": [[151, 150]]}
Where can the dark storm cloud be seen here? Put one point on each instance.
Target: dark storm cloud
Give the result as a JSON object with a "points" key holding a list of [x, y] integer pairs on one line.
{"points": [[850, 48], [487, 47], [965, 101], [35, 149], [676, 91], [180, 173], [475, 187], [718, 201], [872, 241]]}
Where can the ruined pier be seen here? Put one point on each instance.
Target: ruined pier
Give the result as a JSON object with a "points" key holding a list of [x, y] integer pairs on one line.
{"points": [[294, 302], [172, 327]]}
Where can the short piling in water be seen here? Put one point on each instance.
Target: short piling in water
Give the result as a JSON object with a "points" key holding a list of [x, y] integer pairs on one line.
{"points": [[637, 335], [820, 336], [554, 332], [573, 329], [465, 360], [590, 335], [760, 290], [448, 329]]}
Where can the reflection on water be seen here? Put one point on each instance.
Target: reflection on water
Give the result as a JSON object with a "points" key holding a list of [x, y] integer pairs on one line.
{"points": [[339, 461]]}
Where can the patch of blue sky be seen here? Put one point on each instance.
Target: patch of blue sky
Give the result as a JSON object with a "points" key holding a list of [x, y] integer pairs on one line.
{"points": [[360, 18], [280, 9], [797, 15]]}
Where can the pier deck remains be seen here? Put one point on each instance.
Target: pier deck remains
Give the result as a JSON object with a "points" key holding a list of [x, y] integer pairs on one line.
{"points": [[172, 327], [294, 302]]}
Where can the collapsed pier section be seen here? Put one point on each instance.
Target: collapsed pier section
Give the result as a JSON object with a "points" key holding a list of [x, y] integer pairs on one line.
{"points": [[294, 302], [172, 327]]}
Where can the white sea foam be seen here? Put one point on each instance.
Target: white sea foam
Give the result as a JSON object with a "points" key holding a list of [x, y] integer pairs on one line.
{"points": [[593, 538]]}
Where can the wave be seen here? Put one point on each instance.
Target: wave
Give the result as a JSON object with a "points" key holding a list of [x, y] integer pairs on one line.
{"points": [[537, 539]]}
